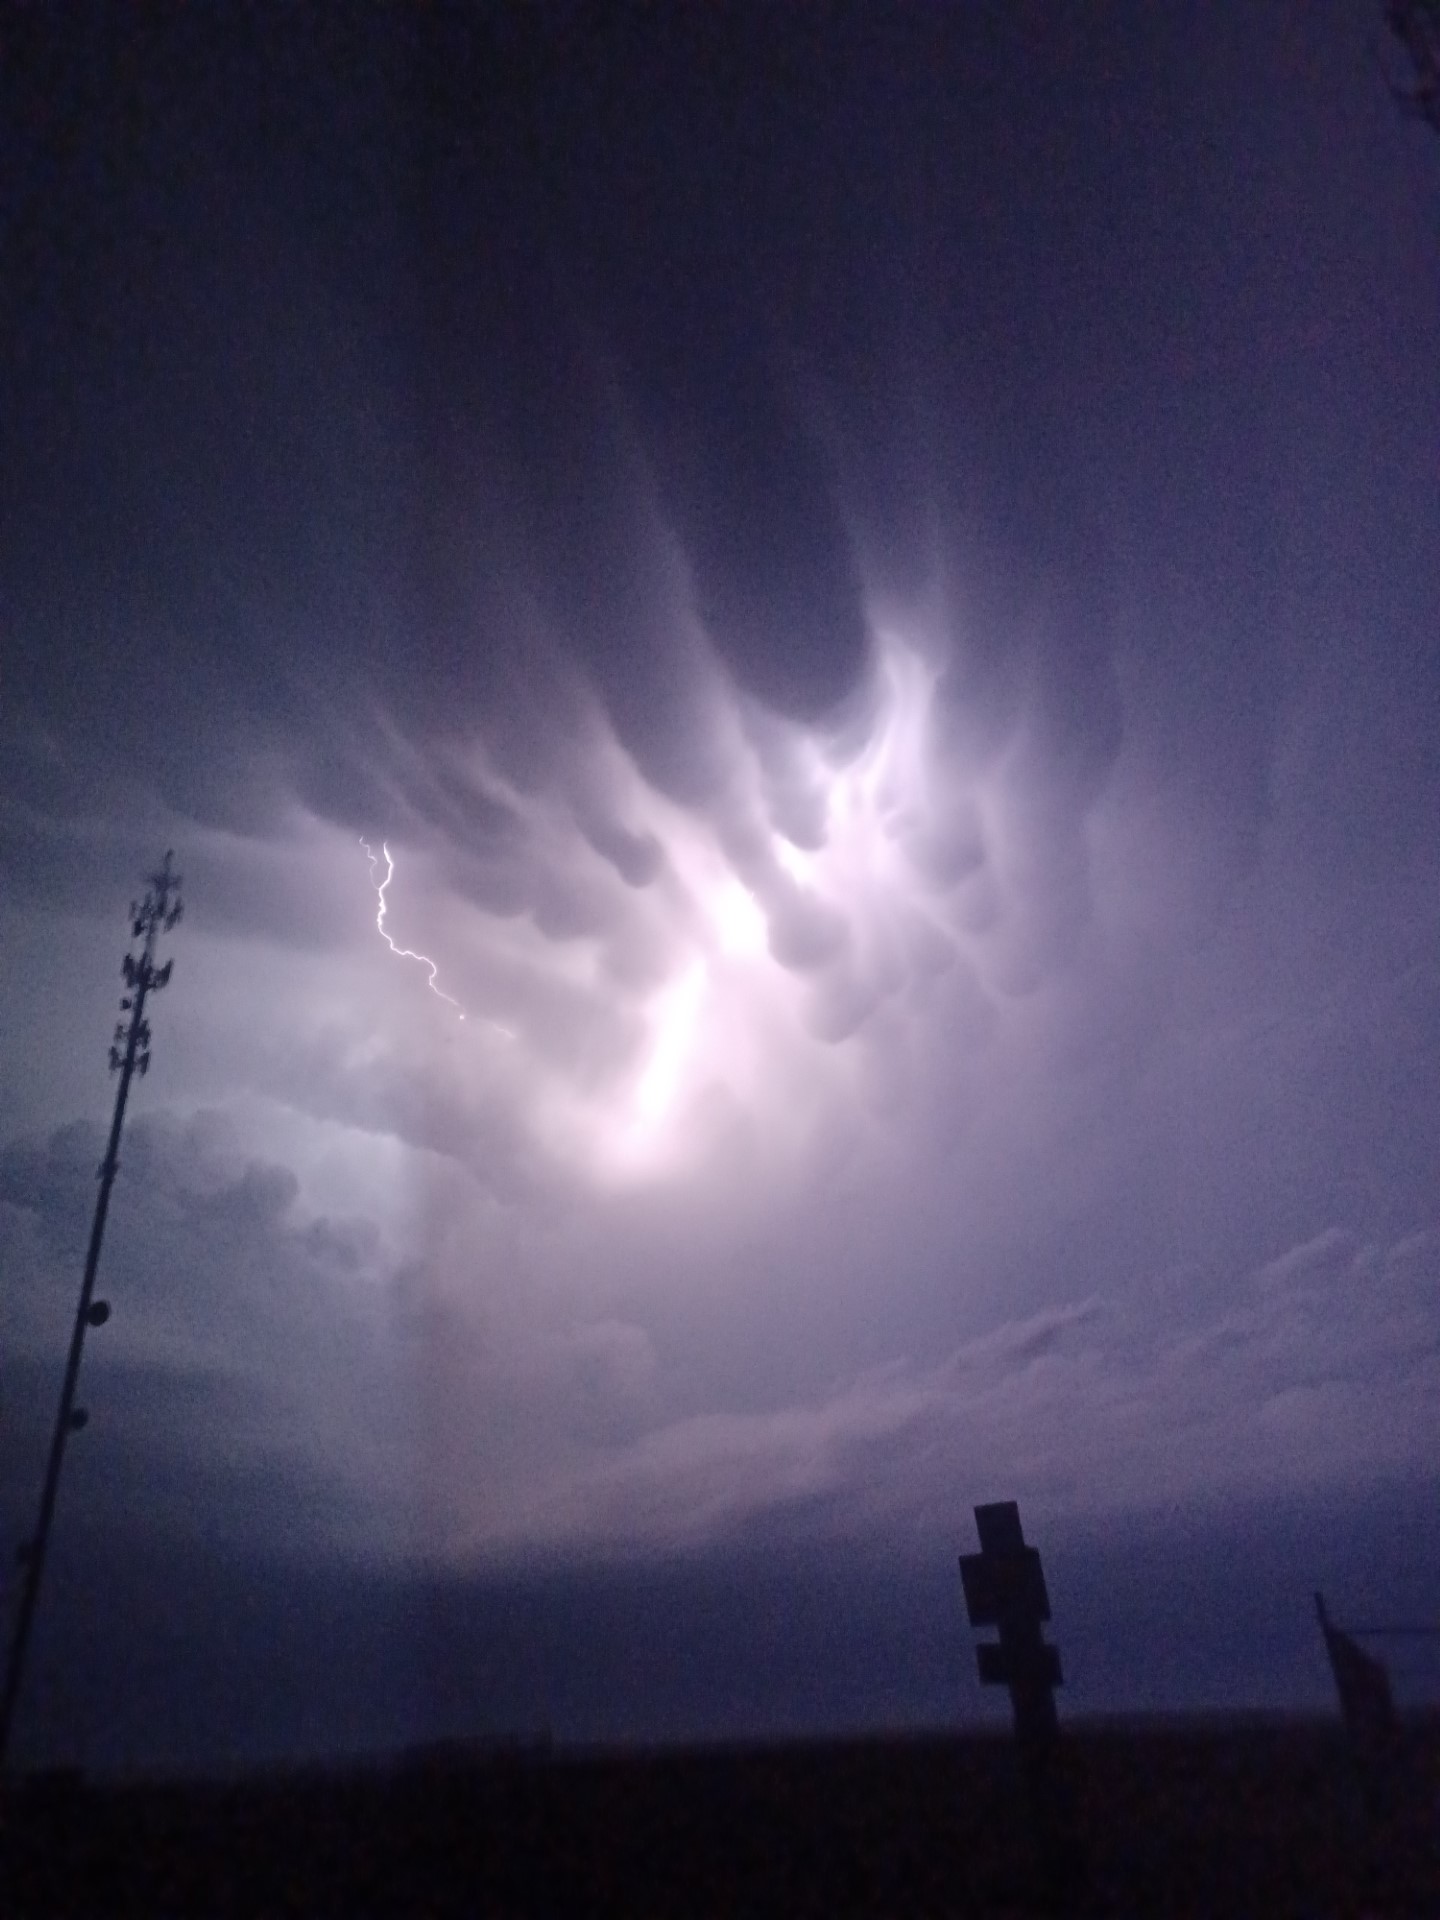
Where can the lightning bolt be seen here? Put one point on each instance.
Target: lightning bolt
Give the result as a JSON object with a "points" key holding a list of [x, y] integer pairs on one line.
{"points": [[402, 953]]}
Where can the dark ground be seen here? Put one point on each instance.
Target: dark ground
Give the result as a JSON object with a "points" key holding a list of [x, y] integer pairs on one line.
{"points": [[1202, 1818]]}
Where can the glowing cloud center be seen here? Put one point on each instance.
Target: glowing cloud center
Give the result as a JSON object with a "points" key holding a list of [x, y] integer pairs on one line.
{"points": [[741, 992], [674, 1036], [735, 1015]]}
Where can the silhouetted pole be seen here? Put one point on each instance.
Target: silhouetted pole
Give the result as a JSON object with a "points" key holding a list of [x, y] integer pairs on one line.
{"points": [[1005, 1588], [157, 913]]}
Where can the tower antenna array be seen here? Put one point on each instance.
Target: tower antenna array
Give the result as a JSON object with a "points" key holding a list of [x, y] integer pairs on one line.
{"points": [[157, 913]]}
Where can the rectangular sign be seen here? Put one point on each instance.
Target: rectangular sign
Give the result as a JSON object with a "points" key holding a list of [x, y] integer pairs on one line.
{"points": [[1001, 1584], [998, 1668]]}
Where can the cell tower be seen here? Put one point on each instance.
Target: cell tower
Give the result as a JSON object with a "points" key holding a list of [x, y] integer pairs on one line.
{"points": [[157, 913]]}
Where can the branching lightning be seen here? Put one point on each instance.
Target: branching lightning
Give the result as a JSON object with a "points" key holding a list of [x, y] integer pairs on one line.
{"points": [[402, 953]]}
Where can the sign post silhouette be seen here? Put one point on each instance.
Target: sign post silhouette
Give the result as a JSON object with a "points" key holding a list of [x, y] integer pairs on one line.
{"points": [[1005, 1588]]}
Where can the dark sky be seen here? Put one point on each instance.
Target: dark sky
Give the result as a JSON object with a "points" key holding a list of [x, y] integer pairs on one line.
{"points": [[872, 576]]}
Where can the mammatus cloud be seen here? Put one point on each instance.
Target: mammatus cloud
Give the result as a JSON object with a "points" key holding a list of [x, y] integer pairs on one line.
{"points": [[671, 973]]}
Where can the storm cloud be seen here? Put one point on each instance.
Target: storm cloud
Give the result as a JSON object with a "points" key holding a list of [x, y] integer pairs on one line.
{"points": [[863, 583]]}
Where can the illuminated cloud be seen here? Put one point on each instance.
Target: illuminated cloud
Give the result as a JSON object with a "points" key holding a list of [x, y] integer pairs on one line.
{"points": [[870, 624], [682, 973]]}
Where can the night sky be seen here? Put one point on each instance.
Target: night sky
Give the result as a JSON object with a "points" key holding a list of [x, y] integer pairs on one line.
{"points": [[871, 574]]}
